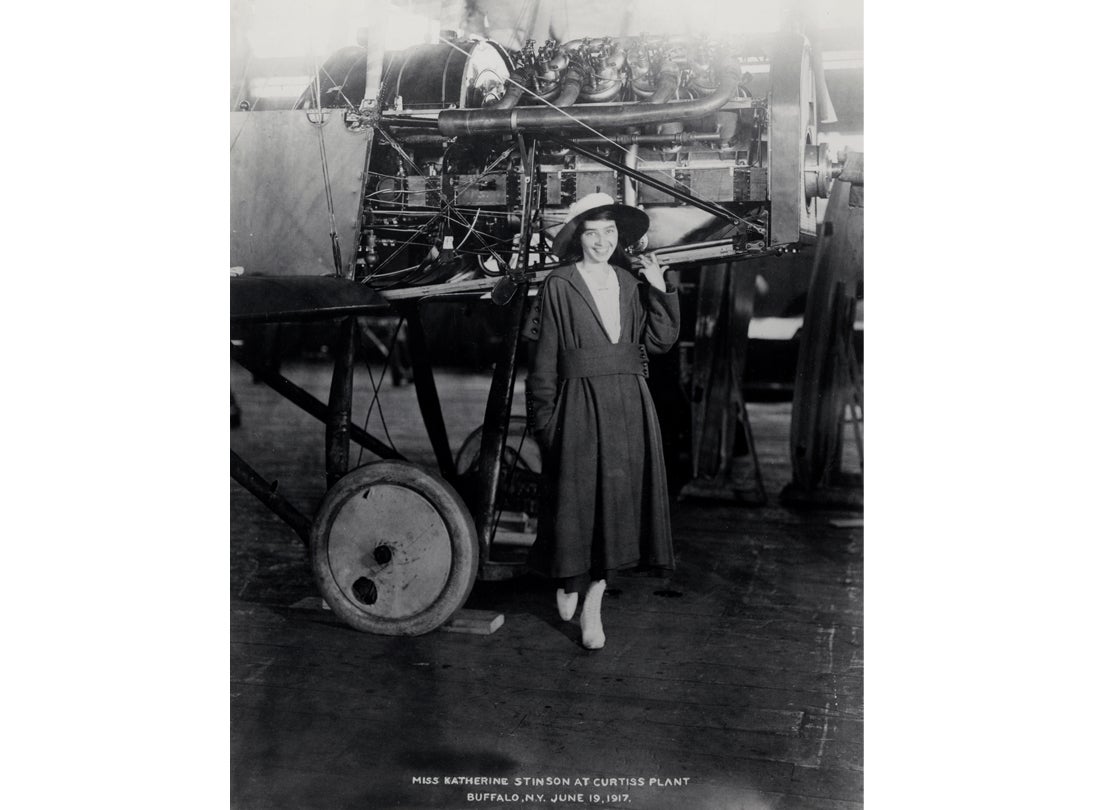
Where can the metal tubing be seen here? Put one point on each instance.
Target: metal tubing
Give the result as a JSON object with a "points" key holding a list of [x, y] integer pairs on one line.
{"points": [[472, 122], [259, 486], [398, 148], [570, 88], [672, 138], [338, 424], [667, 84], [517, 88], [520, 84], [630, 188], [683, 196], [398, 120], [426, 394], [311, 405], [434, 139]]}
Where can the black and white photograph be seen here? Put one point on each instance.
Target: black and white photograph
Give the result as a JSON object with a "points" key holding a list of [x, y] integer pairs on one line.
{"points": [[551, 477], [546, 404]]}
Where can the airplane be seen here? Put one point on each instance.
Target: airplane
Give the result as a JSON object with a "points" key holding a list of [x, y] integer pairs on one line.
{"points": [[439, 172]]}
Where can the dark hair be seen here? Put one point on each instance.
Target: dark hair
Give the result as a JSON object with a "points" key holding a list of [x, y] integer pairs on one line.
{"points": [[574, 252]]}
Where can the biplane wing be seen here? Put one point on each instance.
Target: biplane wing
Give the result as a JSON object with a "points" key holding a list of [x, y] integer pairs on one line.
{"points": [[300, 298]]}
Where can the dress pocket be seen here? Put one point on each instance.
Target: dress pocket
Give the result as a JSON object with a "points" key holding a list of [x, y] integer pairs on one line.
{"points": [[549, 431]]}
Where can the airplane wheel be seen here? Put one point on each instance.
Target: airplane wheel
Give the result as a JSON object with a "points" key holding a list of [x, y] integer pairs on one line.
{"points": [[394, 549]]}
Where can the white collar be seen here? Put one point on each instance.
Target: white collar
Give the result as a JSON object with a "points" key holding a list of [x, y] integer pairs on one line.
{"points": [[598, 278]]}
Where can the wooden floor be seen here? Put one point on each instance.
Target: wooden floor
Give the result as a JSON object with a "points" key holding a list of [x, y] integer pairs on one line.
{"points": [[738, 686]]}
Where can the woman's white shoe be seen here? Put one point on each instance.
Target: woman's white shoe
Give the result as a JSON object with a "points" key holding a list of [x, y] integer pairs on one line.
{"points": [[592, 635], [567, 604]]}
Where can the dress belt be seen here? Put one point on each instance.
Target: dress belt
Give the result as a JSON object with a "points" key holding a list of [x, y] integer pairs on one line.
{"points": [[618, 358]]}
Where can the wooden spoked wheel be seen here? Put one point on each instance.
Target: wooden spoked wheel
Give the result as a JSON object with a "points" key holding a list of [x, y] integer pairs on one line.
{"points": [[520, 449], [394, 549]]}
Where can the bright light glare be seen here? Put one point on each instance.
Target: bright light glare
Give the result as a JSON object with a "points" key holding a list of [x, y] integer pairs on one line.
{"points": [[294, 29], [840, 141], [577, 18], [405, 29], [278, 86], [285, 28]]}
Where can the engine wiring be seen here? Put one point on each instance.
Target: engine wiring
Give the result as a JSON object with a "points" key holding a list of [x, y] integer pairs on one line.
{"points": [[436, 229]]}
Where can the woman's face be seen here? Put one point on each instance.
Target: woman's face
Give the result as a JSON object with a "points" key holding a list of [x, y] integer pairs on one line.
{"points": [[598, 239]]}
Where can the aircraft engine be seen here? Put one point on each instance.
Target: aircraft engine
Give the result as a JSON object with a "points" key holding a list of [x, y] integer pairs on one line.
{"points": [[732, 125]]}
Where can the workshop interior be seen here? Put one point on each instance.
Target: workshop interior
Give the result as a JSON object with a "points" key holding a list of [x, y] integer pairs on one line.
{"points": [[397, 172]]}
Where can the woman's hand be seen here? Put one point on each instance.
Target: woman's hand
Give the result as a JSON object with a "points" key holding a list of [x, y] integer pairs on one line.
{"points": [[654, 271]]}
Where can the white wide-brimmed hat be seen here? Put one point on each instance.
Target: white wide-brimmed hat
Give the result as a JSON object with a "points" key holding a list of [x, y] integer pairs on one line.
{"points": [[632, 222]]}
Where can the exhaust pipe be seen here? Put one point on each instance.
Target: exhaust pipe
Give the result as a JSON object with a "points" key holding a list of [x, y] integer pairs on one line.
{"points": [[667, 84], [570, 88], [523, 80], [472, 122]]}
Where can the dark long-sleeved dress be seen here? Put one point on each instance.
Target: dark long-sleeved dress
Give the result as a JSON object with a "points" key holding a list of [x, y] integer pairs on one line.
{"points": [[605, 498]]}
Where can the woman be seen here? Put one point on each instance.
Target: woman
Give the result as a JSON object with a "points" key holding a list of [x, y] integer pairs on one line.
{"points": [[605, 500]]}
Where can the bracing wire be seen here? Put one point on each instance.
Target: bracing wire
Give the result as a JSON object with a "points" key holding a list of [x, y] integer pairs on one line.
{"points": [[650, 164], [381, 413], [377, 387], [337, 87], [391, 257], [452, 211], [467, 236], [334, 235], [580, 123]]}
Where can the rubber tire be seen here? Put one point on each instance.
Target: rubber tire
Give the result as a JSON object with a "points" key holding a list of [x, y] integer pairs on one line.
{"points": [[444, 502]]}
